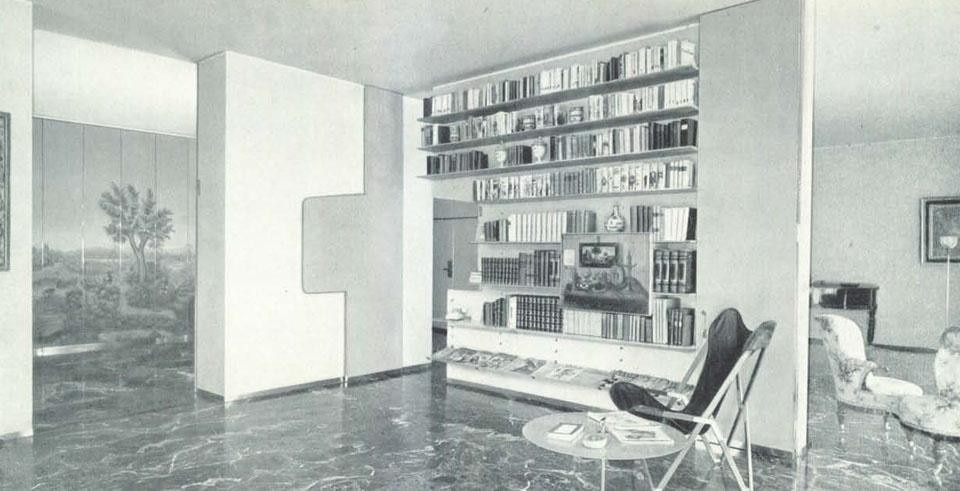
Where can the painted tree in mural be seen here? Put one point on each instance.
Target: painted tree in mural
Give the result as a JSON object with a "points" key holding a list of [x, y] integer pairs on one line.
{"points": [[136, 220]]}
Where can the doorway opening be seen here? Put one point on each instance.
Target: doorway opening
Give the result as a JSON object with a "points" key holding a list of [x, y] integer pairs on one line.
{"points": [[454, 257]]}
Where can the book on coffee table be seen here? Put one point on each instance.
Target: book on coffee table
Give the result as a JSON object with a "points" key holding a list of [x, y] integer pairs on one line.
{"points": [[566, 431]]}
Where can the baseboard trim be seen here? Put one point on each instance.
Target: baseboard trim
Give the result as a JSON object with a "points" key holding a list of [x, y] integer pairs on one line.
{"points": [[905, 349], [286, 391], [210, 396], [386, 374], [15, 436], [784, 456], [889, 347], [271, 393]]}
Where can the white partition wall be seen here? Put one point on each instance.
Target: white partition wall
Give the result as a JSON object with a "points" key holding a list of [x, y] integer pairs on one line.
{"points": [[16, 98], [749, 192], [269, 137]]}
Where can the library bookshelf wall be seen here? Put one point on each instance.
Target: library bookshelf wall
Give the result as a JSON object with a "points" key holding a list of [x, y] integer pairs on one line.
{"points": [[638, 130]]}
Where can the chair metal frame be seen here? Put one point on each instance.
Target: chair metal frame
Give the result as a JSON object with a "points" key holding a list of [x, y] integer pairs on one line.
{"points": [[755, 347]]}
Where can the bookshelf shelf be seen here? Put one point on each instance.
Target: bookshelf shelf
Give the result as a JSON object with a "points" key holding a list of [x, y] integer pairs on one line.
{"points": [[630, 119], [518, 243], [526, 289], [590, 196], [514, 243], [679, 73], [561, 164], [561, 335]]}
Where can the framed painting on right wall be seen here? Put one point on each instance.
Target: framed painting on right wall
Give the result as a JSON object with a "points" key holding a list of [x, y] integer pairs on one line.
{"points": [[939, 229]]}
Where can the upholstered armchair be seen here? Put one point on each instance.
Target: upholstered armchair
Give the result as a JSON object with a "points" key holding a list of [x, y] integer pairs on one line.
{"points": [[937, 416], [854, 378]]}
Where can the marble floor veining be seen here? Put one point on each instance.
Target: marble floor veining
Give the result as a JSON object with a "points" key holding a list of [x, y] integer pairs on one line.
{"points": [[863, 458], [417, 432], [411, 432]]}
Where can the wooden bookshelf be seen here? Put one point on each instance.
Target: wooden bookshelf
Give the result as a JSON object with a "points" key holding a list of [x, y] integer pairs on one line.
{"points": [[647, 79], [562, 335], [690, 152], [548, 131]]}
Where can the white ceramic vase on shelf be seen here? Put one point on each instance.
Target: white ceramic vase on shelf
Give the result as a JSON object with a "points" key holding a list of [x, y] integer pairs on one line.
{"points": [[615, 221]]}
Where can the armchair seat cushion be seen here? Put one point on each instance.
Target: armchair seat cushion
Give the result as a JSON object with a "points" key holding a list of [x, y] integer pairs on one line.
{"points": [[933, 414], [891, 386]]}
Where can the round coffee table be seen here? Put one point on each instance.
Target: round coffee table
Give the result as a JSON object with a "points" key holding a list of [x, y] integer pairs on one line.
{"points": [[537, 432]]}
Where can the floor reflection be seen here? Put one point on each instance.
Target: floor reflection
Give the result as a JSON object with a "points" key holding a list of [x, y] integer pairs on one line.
{"points": [[418, 432]]}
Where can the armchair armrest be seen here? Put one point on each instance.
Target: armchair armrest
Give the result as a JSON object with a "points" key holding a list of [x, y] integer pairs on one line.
{"points": [[659, 413], [854, 372]]}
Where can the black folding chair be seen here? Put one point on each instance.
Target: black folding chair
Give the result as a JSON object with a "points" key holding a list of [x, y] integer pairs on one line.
{"points": [[730, 347]]}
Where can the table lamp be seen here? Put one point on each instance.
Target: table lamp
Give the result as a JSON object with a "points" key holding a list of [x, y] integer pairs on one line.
{"points": [[948, 242]]}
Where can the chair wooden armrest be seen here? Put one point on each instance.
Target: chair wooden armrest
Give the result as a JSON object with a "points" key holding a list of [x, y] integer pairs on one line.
{"points": [[701, 354]]}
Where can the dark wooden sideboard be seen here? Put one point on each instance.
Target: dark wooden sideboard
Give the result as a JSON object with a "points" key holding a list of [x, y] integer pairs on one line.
{"points": [[847, 296]]}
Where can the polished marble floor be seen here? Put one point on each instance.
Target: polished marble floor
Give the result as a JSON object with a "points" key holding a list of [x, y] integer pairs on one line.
{"points": [[863, 458], [108, 384], [416, 432], [411, 432]]}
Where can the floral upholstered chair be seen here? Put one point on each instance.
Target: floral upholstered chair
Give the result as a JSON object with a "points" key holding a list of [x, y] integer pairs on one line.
{"points": [[937, 416], [856, 384]]}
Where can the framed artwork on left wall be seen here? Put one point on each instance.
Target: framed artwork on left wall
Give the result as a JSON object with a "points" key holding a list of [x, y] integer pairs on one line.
{"points": [[939, 217], [4, 191]]}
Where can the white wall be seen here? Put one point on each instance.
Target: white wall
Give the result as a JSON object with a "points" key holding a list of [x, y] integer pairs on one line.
{"points": [[289, 134], [16, 333], [211, 135], [88, 82], [866, 228], [748, 192], [417, 242]]}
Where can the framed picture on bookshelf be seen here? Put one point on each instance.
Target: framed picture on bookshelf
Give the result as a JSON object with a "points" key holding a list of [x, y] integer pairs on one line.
{"points": [[613, 273], [4, 191], [599, 254], [939, 219]]}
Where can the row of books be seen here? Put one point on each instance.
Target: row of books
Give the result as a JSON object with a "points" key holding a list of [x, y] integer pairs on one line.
{"points": [[672, 324], [546, 226], [623, 178], [541, 268], [535, 313], [456, 162], [674, 271], [664, 96], [667, 224], [651, 59], [517, 155], [661, 327], [496, 313], [599, 107]]}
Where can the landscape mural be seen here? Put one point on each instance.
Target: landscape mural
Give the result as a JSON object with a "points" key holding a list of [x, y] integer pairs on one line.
{"points": [[113, 269]]}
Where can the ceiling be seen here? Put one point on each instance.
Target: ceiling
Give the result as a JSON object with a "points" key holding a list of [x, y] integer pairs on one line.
{"points": [[885, 69], [402, 45]]}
